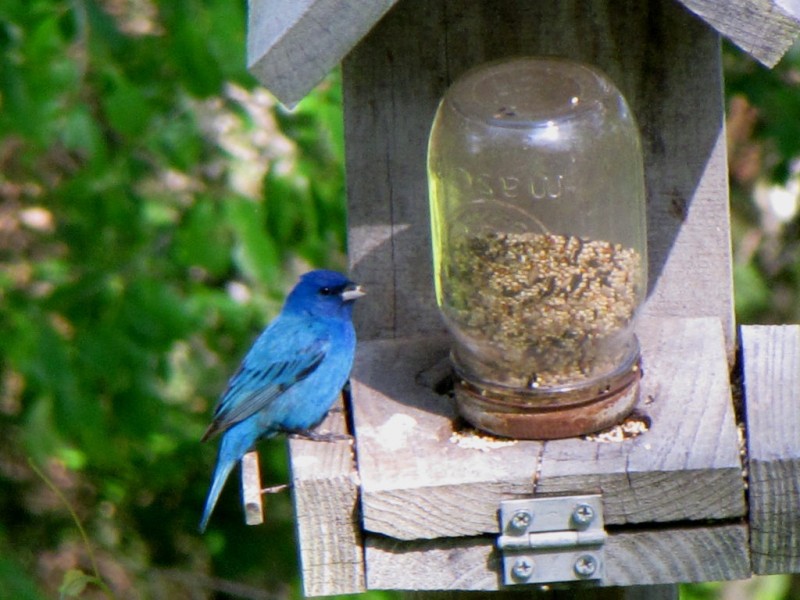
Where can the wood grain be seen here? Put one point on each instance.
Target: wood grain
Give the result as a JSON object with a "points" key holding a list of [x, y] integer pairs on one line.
{"points": [[771, 361], [420, 477], [423, 476], [765, 29], [251, 489], [293, 44], [667, 64], [686, 554], [325, 490], [687, 466]]}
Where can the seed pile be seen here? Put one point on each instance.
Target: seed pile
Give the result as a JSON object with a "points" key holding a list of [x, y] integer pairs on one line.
{"points": [[555, 309]]}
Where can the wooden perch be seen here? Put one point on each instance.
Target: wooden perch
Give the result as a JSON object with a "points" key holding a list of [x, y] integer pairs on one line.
{"points": [[252, 492], [251, 489]]}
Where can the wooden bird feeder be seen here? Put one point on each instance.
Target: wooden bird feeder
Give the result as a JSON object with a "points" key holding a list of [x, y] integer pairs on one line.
{"points": [[703, 481]]}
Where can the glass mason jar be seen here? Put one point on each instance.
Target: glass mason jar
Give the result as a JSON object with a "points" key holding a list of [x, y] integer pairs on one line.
{"points": [[538, 223]]}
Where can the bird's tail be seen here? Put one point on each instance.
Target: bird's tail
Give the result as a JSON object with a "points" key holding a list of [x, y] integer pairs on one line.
{"points": [[221, 472], [237, 441]]}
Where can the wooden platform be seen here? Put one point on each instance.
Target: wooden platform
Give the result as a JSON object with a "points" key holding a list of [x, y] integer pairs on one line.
{"points": [[422, 503], [424, 477]]}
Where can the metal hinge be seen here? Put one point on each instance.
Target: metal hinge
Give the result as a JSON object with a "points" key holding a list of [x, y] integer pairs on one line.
{"points": [[551, 539]]}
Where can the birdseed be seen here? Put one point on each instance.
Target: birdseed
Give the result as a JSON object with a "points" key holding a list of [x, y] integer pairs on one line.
{"points": [[539, 309]]}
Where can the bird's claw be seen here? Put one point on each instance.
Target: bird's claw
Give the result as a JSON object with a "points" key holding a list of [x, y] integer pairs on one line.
{"points": [[325, 436]]}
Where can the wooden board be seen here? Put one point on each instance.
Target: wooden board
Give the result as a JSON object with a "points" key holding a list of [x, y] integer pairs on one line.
{"points": [[771, 361], [702, 553], [665, 60], [765, 29], [325, 490], [423, 476], [293, 44]]}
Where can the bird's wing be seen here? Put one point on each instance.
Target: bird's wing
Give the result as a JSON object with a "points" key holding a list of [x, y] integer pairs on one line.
{"points": [[280, 358]]}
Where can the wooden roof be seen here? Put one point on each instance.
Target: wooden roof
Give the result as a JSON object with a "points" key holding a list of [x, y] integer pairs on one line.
{"points": [[293, 44]]}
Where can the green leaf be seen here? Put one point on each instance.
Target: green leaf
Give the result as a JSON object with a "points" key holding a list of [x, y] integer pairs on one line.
{"points": [[154, 314], [126, 107], [73, 458], [79, 131], [74, 582], [203, 240], [751, 292], [14, 582], [190, 49], [256, 254], [177, 140]]}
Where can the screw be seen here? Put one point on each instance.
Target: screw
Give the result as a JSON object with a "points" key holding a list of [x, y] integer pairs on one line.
{"points": [[583, 515], [585, 566], [520, 521], [522, 569]]}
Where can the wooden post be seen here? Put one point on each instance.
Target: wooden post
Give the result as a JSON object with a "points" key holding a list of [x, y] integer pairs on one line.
{"points": [[325, 490], [771, 361]]}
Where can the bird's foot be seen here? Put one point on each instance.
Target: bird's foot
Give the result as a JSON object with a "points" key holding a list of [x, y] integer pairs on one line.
{"points": [[321, 436]]}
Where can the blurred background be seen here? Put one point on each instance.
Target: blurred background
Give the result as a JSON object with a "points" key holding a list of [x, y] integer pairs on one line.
{"points": [[155, 205]]}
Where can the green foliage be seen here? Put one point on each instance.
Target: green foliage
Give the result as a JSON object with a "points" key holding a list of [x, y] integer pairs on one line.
{"points": [[75, 580], [764, 149], [774, 587], [700, 591], [776, 94], [752, 296], [155, 206], [16, 582]]}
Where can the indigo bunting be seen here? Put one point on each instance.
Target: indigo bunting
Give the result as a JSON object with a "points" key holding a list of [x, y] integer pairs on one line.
{"points": [[291, 376]]}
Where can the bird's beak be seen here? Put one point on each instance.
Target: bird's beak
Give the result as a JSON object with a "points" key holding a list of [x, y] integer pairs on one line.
{"points": [[352, 292]]}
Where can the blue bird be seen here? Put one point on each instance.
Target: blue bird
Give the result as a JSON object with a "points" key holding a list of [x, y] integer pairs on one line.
{"points": [[291, 376]]}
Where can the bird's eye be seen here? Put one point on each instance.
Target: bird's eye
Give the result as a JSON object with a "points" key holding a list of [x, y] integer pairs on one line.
{"points": [[326, 291]]}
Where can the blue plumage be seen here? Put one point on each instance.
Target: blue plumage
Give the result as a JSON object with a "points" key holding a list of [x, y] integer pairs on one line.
{"points": [[291, 376]]}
